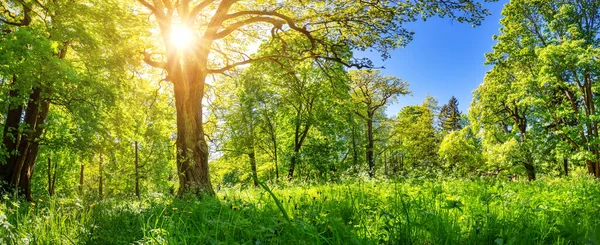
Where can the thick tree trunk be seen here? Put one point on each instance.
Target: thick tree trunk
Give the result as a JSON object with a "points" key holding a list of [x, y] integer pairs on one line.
{"points": [[530, 171], [28, 146], [192, 149], [370, 144], [137, 173], [11, 137]]}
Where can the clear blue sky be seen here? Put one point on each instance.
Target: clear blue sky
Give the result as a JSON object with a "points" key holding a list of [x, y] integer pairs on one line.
{"points": [[444, 59]]}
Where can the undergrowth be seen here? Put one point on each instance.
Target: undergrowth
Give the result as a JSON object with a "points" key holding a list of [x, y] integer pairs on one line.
{"points": [[413, 211]]}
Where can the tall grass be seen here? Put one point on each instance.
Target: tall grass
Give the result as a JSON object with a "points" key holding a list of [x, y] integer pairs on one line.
{"points": [[414, 211]]}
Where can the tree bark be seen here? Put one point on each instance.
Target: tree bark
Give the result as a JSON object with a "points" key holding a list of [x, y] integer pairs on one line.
{"points": [[81, 180], [137, 174], [253, 166], [370, 144], [11, 136], [530, 171], [566, 166], [192, 149], [50, 190], [100, 184]]}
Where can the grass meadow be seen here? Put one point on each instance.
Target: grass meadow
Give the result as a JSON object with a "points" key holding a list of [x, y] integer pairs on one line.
{"points": [[412, 211]]}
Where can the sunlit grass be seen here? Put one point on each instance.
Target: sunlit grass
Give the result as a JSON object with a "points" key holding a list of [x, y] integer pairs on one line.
{"points": [[549, 211]]}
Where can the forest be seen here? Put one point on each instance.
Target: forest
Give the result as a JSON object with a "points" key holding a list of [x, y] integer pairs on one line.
{"points": [[259, 122]]}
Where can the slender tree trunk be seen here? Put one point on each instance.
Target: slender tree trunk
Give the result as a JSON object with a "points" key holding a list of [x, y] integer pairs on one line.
{"points": [[137, 174], [53, 188], [385, 163], [81, 180], [354, 148], [299, 137], [273, 136], [566, 166], [370, 144], [292, 166], [100, 189], [50, 177], [275, 159]]}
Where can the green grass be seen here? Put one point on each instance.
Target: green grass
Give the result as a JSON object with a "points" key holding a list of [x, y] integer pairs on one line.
{"points": [[548, 211]]}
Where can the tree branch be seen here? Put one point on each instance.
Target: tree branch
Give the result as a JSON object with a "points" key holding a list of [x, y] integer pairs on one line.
{"points": [[153, 63]]}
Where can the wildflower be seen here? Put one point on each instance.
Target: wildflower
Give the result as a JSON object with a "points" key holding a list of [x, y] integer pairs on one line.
{"points": [[329, 227], [25, 240], [174, 209], [33, 204], [92, 205], [41, 200], [235, 208]]}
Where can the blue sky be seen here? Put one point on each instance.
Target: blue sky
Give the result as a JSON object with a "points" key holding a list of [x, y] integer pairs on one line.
{"points": [[444, 59]]}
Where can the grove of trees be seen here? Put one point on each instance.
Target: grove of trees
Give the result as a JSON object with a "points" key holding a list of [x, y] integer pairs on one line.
{"points": [[105, 98]]}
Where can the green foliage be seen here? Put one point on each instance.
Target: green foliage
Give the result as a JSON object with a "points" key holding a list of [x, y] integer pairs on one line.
{"points": [[461, 151], [415, 136], [450, 116]]}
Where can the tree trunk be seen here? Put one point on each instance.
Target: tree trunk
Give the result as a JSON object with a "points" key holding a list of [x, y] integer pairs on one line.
{"points": [[369, 153], [566, 166], [253, 166], [385, 163], [192, 149], [28, 145], [81, 180], [273, 135], [292, 166], [100, 189], [299, 137], [53, 188], [11, 137], [50, 191], [530, 171], [137, 174]]}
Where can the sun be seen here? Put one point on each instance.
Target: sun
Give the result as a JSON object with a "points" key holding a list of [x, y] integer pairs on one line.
{"points": [[182, 37]]}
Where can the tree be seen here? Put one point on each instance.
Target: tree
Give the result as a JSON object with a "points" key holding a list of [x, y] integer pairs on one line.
{"points": [[550, 49], [414, 135], [220, 31], [461, 151], [450, 116], [501, 109], [52, 57], [373, 92]]}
